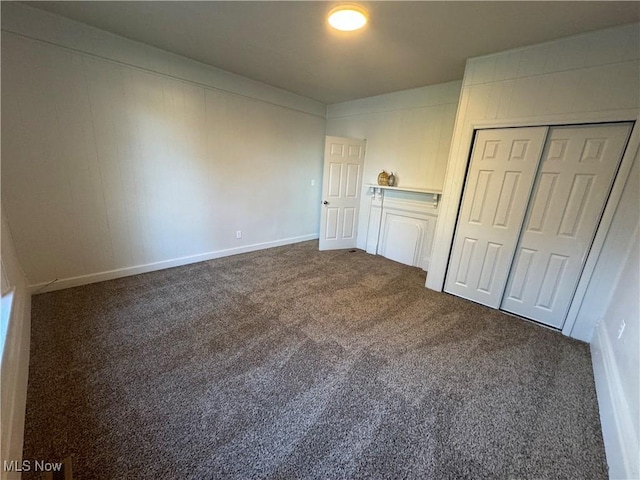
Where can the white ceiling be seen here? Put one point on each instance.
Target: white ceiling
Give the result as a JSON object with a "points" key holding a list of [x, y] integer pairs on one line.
{"points": [[288, 44]]}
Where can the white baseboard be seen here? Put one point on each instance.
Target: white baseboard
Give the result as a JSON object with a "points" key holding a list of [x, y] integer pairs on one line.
{"points": [[150, 267], [618, 428]]}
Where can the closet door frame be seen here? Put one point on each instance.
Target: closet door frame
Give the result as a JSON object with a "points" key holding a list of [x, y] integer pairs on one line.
{"points": [[626, 163]]}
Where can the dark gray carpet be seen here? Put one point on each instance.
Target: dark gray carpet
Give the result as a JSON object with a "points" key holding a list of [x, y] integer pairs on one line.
{"points": [[294, 363]]}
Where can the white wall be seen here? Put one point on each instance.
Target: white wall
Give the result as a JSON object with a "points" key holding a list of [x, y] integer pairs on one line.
{"points": [[616, 357], [120, 158], [407, 132], [15, 355]]}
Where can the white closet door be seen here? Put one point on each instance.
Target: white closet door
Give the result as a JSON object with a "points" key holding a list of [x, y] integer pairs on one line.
{"points": [[577, 171], [499, 183]]}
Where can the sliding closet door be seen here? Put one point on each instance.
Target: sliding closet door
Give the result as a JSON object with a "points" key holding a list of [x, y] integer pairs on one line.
{"points": [[572, 186], [499, 182]]}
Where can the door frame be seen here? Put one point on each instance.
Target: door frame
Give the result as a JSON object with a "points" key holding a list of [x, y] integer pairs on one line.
{"points": [[452, 199]]}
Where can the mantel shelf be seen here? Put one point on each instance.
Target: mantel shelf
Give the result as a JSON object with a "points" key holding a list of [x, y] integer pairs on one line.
{"points": [[405, 189]]}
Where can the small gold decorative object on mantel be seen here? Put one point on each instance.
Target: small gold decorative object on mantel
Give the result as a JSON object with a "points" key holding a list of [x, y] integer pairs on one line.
{"points": [[391, 181], [383, 178]]}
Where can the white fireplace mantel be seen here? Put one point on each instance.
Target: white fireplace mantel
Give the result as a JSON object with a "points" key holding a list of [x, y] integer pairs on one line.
{"points": [[374, 188], [402, 228]]}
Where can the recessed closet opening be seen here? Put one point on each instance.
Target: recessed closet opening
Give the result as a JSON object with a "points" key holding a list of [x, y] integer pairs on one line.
{"points": [[532, 203]]}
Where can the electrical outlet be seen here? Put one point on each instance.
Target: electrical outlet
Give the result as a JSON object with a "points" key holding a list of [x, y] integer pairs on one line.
{"points": [[238, 234], [621, 329], [313, 183]]}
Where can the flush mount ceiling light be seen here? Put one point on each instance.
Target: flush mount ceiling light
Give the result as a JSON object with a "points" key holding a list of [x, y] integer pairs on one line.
{"points": [[348, 18]]}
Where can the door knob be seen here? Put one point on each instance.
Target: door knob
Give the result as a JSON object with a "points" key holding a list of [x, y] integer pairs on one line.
{"points": [[325, 203]]}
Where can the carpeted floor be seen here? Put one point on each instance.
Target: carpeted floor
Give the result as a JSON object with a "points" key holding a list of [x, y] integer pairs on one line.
{"points": [[295, 363]]}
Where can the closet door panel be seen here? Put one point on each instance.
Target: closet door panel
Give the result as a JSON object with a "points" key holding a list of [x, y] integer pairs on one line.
{"points": [[499, 183], [577, 170]]}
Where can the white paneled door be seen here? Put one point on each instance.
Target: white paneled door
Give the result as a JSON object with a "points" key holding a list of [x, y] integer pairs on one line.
{"points": [[500, 179], [531, 206], [575, 176], [341, 185]]}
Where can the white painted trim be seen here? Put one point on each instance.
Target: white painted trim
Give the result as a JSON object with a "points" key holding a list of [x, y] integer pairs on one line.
{"points": [[15, 356], [15, 373], [411, 206], [620, 439], [6, 307], [628, 115], [373, 225], [151, 267]]}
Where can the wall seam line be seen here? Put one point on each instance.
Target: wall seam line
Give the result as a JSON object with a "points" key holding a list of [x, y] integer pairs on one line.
{"points": [[167, 75]]}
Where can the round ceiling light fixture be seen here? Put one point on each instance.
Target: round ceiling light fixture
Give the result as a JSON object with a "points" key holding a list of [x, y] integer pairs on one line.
{"points": [[348, 18]]}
